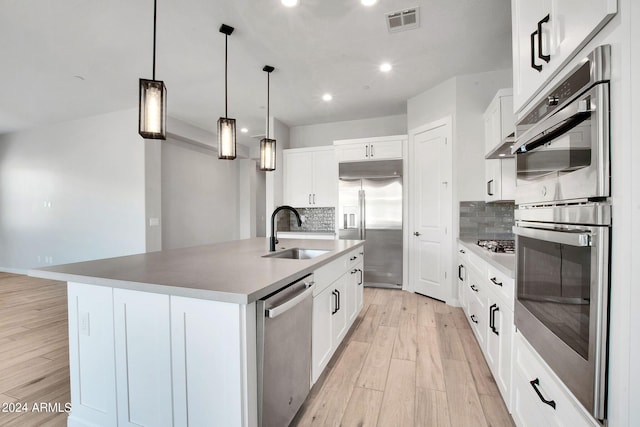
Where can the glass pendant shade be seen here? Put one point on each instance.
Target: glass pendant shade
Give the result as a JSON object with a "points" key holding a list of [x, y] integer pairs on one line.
{"points": [[152, 114], [226, 138], [267, 154]]}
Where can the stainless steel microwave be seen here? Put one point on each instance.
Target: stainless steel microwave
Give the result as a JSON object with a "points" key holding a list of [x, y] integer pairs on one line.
{"points": [[562, 143]]}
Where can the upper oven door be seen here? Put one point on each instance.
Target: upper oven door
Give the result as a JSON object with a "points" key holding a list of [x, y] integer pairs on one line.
{"points": [[565, 157]]}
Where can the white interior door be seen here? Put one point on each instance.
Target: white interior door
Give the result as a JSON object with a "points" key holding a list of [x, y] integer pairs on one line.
{"points": [[430, 211]]}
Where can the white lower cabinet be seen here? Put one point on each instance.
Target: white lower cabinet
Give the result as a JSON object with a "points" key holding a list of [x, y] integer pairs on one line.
{"points": [[539, 397], [336, 303], [477, 314], [145, 359], [500, 344]]}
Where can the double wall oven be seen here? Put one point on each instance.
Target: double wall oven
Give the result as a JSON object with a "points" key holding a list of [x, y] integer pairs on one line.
{"points": [[563, 228]]}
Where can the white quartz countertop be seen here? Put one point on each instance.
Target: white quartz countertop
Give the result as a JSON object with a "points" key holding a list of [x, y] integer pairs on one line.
{"points": [[231, 272], [506, 263]]}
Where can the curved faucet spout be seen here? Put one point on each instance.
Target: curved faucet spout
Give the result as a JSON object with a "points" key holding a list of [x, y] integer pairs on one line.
{"points": [[272, 239]]}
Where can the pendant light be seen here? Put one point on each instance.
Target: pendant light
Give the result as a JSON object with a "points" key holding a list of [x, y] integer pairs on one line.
{"points": [[152, 107], [267, 145], [226, 126]]}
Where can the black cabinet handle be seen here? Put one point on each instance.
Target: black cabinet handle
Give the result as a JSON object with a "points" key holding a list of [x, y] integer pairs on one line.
{"points": [[338, 292], [366, 151], [473, 318], [462, 251], [361, 277], [334, 310], [533, 56], [473, 287], [495, 282], [489, 187], [492, 318], [460, 267], [353, 258], [545, 58], [535, 383]]}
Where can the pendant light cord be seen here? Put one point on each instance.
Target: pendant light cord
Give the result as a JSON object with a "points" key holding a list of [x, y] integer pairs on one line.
{"points": [[268, 104], [225, 75], [155, 4]]}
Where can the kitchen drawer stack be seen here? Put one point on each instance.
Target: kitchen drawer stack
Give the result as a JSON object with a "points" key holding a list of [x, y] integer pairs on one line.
{"points": [[487, 300]]}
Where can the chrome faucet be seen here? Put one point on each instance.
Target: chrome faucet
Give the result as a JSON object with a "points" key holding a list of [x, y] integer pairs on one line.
{"points": [[273, 240]]}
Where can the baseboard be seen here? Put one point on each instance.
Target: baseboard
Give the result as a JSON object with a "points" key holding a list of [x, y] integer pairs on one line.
{"points": [[14, 270]]}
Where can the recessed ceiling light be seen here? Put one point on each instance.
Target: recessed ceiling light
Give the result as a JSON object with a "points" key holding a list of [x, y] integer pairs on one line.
{"points": [[385, 67], [289, 3], [327, 97], [501, 155], [368, 2], [244, 130]]}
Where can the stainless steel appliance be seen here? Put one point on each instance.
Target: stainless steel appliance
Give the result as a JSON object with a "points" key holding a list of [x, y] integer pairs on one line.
{"points": [[284, 352], [370, 208], [563, 228], [562, 147]]}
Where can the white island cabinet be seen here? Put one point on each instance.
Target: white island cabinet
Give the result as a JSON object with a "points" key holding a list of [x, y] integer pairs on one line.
{"points": [[169, 338]]}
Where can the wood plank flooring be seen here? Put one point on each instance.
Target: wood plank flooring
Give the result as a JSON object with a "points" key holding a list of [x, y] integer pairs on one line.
{"points": [[407, 361], [34, 351]]}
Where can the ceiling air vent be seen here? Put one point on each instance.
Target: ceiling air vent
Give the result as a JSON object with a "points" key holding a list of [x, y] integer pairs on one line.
{"points": [[403, 20]]}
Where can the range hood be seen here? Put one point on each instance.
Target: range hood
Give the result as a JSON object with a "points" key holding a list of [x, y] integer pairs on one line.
{"points": [[503, 150]]}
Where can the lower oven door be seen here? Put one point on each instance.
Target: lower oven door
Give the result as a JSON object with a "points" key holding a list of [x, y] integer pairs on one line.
{"points": [[562, 286]]}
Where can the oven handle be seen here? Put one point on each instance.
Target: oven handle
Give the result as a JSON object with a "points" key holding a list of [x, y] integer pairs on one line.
{"points": [[557, 124], [565, 238]]}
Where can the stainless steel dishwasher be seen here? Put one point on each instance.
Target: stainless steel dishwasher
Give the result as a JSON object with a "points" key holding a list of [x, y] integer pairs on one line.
{"points": [[284, 352]]}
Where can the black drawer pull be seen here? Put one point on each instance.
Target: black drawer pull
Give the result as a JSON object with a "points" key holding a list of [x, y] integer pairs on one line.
{"points": [[462, 251], [353, 258], [495, 282], [535, 383], [338, 292], [473, 287], [545, 58], [492, 318], [473, 318], [361, 277], [489, 192], [460, 268], [533, 56], [334, 310]]}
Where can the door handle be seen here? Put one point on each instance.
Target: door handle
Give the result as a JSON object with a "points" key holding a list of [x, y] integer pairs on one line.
{"points": [[338, 293], [533, 56], [334, 310], [495, 282], [535, 383], [460, 268], [287, 305], [416, 233], [545, 58]]}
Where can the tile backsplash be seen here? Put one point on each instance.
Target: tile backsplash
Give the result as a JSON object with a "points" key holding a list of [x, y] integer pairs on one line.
{"points": [[314, 219], [480, 220]]}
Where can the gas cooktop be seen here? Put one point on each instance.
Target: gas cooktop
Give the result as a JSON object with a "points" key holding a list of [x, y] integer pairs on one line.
{"points": [[502, 246]]}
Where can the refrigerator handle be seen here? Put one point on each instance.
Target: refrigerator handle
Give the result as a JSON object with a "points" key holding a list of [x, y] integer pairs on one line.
{"points": [[364, 215]]}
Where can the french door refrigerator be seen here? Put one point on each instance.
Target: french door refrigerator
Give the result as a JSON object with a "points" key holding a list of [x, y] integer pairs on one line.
{"points": [[370, 208]]}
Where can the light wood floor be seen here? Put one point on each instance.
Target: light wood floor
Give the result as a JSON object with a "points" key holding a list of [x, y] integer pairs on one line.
{"points": [[408, 361], [34, 355]]}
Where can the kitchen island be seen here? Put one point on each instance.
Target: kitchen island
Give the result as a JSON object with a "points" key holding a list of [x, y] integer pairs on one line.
{"points": [[169, 337]]}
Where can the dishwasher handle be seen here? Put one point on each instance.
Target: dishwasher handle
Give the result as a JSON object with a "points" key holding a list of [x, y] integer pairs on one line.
{"points": [[290, 303]]}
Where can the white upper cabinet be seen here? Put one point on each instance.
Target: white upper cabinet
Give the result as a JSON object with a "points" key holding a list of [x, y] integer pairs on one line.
{"points": [[310, 177], [499, 120], [500, 177], [364, 149], [546, 35]]}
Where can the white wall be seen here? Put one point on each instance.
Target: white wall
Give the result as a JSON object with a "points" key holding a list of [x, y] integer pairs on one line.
{"points": [[326, 133], [432, 104], [199, 196], [72, 191]]}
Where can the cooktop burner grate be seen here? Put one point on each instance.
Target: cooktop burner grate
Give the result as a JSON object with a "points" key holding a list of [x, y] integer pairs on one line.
{"points": [[502, 246]]}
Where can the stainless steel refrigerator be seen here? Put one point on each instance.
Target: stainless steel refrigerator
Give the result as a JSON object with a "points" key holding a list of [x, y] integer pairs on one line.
{"points": [[370, 208]]}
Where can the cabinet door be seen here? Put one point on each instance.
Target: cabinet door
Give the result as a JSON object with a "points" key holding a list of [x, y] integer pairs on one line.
{"points": [[321, 347], [507, 117], [143, 358], [325, 179], [355, 152], [478, 318], [492, 126], [462, 272], [384, 150], [360, 287], [355, 284], [499, 344], [298, 179], [339, 316], [507, 179]]}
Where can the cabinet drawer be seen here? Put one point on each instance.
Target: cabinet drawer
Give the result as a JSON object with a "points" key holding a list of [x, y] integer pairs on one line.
{"points": [[329, 273], [477, 263], [477, 303], [502, 285], [528, 407]]}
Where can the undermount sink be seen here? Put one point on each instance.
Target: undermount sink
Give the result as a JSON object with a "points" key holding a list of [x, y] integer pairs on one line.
{"points": [[297, 253]]}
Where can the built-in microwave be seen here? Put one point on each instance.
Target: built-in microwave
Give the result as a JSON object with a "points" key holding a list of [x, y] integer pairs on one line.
{"points": [[562, 146]]}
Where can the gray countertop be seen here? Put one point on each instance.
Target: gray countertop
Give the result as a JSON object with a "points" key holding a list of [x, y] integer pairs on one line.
{"points": [[231, 272], [506, 263]]}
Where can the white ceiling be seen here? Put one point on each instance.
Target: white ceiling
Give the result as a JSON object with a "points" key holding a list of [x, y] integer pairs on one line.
{"points": [[319, 46]]}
